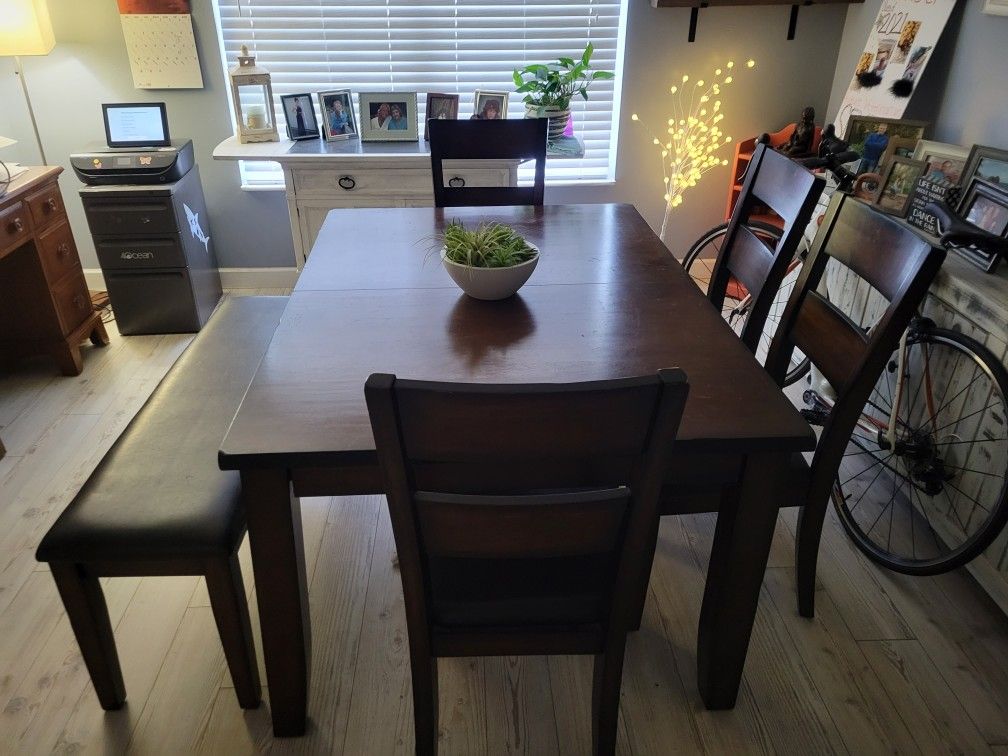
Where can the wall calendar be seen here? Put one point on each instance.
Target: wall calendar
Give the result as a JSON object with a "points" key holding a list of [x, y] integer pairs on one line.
{"points": [[160, 44]]}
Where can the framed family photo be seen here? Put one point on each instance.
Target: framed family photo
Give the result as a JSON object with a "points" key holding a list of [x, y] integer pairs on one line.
{"points": [[299, 112], [489, 106], [987, 163], [898, 183], [945, 162], [985, 204], [440, 107], [337, 115], [388, 116], [869, 136]]}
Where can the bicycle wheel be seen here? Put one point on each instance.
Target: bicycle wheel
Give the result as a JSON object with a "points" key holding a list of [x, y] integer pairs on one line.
{"points": [[699, 263], [935, 498]]}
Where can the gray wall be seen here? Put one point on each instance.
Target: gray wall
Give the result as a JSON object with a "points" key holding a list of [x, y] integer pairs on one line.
{"points": [[251, 229], [964, 92], [88, 67]]}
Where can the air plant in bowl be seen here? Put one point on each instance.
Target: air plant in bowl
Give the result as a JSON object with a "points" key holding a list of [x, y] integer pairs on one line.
{"points": [[491, 261]]}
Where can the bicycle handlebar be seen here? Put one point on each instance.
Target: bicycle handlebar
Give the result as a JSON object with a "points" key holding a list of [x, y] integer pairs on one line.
{"points": [[834, 163], [956, 231]]}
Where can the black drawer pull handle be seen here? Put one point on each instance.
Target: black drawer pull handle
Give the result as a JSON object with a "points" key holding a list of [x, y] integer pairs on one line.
{"points": [[456, 182], [50, 204], [347, 182], [63, 250], [16, 226]]}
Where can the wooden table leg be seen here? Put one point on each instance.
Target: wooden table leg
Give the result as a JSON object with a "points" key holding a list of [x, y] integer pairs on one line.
{"points": [[745, 528], [274, 524]]}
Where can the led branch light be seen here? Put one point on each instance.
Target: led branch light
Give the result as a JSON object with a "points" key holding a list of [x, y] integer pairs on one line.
{"points": [[692, 138]]}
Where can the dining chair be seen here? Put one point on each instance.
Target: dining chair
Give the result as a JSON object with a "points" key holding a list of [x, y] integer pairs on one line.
{"points": [[899, 265], [520, 513], [776, 182], [506, 139]]}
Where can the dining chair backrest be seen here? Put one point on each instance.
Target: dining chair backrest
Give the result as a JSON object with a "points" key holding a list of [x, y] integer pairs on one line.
{"points": [[900, 265], [505, 139], [522, 517], [776, 182]]}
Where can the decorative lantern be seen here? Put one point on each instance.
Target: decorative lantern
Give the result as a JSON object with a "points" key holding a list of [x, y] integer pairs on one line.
{"points": [[252, 93]]}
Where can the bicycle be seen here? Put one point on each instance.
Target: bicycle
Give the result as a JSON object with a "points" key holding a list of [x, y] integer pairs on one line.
{"points": [[923, 485]]}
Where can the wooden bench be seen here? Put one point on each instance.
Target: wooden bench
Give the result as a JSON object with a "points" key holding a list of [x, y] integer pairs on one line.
{"points": [[159, 505]]}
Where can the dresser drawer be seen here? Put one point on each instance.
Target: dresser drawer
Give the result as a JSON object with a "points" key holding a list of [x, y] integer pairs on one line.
{"points": [[46, 206], [475, 177], [14, 226], [381, 182], [57, 251], [124, 253], [139, 218], [73, 302]]}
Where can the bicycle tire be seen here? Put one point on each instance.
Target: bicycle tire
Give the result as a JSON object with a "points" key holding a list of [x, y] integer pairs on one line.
{"points": [[975, 472], [700, 272]]}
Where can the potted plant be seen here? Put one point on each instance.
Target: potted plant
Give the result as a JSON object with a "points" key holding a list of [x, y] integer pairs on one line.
{"points": [[491, 261], [549, 88]]}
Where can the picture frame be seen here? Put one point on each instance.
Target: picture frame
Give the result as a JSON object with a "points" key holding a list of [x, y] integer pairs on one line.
{"points": [[944, 165], [483, 105], [336, 109], [984, 204], [988, 163], [295, 105], [936, 154], [382, 118], [898, 182], [898, 146], [860, 139], [440, 105]]}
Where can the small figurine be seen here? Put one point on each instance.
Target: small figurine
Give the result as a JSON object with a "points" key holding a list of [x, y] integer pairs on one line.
{"points": [[800, 142]]}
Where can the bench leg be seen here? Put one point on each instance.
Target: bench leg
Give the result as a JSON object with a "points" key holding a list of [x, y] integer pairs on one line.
{"points": [[85, 607], [230, 609]]}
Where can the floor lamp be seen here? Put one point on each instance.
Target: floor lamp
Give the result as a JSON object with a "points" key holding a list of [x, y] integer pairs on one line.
{"points": [[25, 29]]}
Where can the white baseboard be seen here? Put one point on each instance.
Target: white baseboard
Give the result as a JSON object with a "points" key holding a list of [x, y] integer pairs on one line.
{"points": [[231, 278]]}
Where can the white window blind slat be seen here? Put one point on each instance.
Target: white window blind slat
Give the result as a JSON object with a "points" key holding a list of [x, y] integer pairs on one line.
{"points": [[454, 46]]}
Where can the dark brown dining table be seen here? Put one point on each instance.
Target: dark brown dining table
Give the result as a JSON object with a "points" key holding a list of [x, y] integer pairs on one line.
{"points": [[607, 300]]}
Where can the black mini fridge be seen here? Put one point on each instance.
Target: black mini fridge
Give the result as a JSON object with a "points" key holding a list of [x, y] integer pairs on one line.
{"points": [[156, 254]]}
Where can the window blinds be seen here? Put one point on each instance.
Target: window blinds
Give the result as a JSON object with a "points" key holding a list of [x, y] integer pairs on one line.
{"points": [[454, 46]]}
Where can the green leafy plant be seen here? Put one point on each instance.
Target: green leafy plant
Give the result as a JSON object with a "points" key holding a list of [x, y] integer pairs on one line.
{"points": [[552, 85], [489, 245]]}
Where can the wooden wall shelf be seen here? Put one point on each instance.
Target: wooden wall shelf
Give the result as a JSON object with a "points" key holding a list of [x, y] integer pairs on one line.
{"points": [[696, 5]]}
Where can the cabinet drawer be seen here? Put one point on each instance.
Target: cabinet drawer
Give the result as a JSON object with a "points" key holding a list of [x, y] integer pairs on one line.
{"points": [[72, 300], [139, 218], [57, 251], [124, 253], [14, 226], [46, 206], [475, 177], [384, 182]]}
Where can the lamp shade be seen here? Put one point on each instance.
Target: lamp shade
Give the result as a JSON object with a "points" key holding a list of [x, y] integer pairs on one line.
{"points": [[25, 28]]}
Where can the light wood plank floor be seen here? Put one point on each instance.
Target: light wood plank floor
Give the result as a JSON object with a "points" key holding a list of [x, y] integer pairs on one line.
{"points": [[890, 664]]}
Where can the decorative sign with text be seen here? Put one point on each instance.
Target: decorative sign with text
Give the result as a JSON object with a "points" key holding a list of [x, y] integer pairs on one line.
{"points": [[899, 46], [925, 191]]}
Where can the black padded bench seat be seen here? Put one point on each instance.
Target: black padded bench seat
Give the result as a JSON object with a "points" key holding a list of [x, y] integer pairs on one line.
{"points": [[157, 504]]}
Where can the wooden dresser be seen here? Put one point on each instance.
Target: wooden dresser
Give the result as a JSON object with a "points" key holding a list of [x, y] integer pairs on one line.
{"points": [[320, 176], [45, 307]]}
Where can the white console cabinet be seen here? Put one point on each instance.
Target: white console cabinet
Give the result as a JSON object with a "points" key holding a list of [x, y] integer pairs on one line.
{"points": [[321, 176]]}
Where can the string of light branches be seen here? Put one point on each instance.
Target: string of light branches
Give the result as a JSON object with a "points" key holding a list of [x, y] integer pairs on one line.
{"points": [[692, 137]]}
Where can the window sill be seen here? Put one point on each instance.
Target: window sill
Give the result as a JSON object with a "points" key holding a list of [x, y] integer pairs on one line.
{"points": [[280, 187]]}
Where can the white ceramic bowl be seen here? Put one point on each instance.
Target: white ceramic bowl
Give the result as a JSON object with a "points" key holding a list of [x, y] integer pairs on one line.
{"points": [[490, 283]]}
